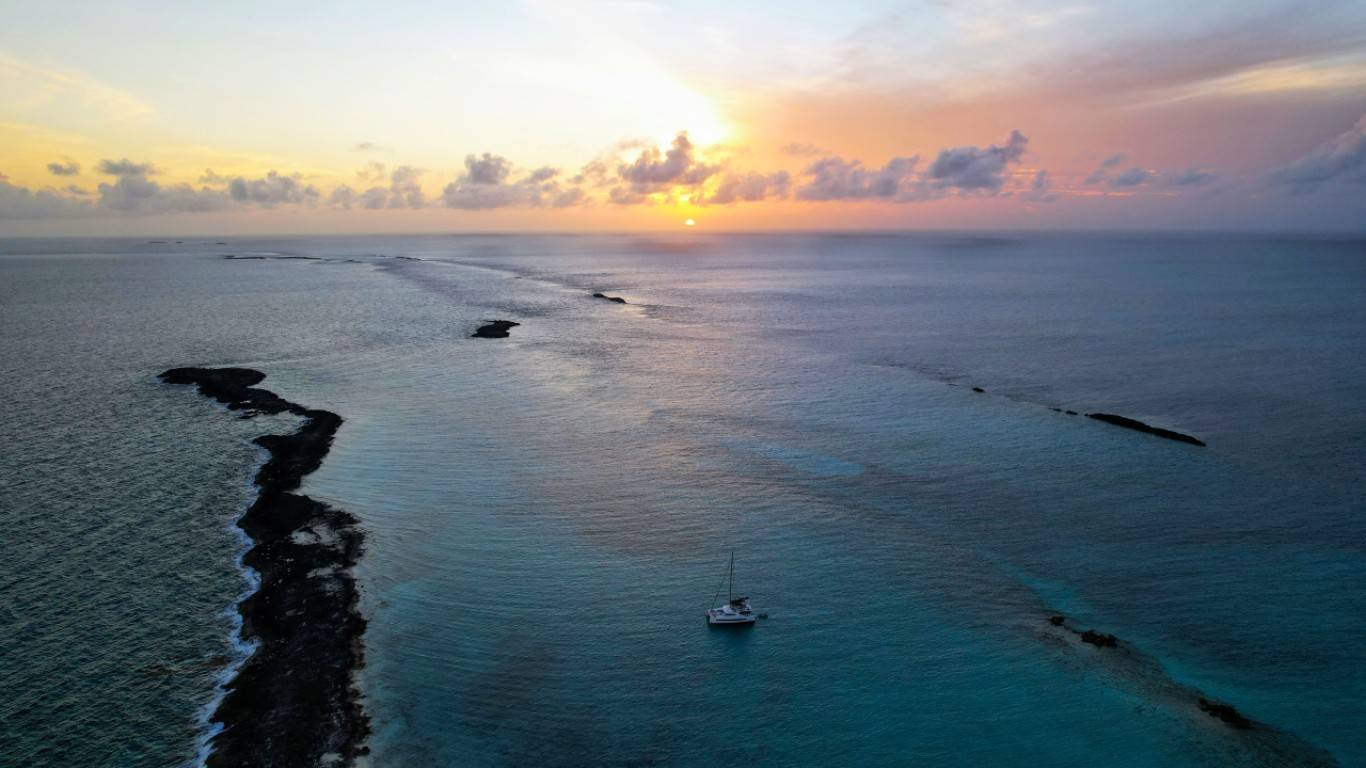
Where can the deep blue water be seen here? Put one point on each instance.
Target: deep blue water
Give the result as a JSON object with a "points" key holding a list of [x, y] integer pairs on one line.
{"points": [[548, 515]]}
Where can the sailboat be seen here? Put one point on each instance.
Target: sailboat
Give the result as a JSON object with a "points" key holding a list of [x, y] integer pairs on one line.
{"points": [[736, 610]]}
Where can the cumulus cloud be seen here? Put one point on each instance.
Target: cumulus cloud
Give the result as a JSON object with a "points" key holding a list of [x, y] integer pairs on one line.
{"points": [[489, 169], [1338, 162], [404, 189], [1040, 189], [834, 178], [372, 172], [126, 167], [654, 172], [1112, 160], [486, 184], [271, 190], [65, 168], [750, 187], [956, 171], [1134, 177], [968, 169], [133, 192], [137, 194], [18, 202], [1191, 177], [373, 198]]}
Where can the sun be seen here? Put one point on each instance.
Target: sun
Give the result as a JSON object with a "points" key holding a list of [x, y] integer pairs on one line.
{"points": [[689, 223]]}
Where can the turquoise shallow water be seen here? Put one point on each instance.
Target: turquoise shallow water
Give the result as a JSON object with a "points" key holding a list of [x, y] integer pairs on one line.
{"points": [[548, 514]]}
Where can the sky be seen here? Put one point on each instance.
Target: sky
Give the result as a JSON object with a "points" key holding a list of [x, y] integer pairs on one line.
{"points": [[128, 118]]}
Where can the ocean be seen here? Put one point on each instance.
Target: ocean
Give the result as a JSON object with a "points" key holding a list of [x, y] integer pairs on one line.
{"points": [[548, 516]]}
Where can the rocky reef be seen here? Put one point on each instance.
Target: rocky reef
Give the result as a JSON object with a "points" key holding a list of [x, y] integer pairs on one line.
{"points": [[495, 329], [293, 701], [1135, 424]]}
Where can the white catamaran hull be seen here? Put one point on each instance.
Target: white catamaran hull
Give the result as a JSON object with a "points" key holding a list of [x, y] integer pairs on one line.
{"points": [[721, 620]]}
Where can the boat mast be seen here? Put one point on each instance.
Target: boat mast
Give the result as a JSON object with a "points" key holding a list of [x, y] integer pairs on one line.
{"points": [[730, 590]]}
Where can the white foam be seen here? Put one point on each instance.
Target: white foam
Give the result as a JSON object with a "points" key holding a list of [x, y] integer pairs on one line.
{"points": [[242, 648]]}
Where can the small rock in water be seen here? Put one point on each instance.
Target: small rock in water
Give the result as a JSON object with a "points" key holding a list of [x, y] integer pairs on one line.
{"points": [[496, 329], [978, 389], [1225, 712], [1056, 620], [1099, 639], [617, 299]]}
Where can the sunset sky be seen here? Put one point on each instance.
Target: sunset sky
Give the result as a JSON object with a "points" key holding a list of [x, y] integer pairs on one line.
{"points": [[567, 115]]}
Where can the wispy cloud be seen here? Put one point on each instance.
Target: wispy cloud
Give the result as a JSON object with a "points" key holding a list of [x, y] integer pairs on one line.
{"points": [[26, 89], [1339, 162]]}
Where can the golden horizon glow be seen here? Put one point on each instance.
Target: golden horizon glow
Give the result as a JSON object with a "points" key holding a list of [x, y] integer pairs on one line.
{"points": [[566, 115]]}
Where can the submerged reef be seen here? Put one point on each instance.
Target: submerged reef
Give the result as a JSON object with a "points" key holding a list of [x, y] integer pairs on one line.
{"points": [[293, 702]]}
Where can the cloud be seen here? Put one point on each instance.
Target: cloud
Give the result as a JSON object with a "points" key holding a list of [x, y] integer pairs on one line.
{"points": [[271, 190], [22, 203], [1134, 177], [372, 172], [799, 149], [1338, 162], [1040, 189], [1195, 176], [369, 146], [968, 169], [372, 199], [133, 192], [29, 88], [750, 187], [653, 172], [485, 185], [209, 176], [956, 171], [1102, 171], [488, 169], [136, 194], [66, 168], [834, 178], [125, 167], [1191, 177], [404, 189]]}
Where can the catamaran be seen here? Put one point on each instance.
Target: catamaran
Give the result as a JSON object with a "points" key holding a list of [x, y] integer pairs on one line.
{"points": [[736, 610]]}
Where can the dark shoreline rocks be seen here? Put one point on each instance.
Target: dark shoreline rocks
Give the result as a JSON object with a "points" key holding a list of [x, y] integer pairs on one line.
{"points": [[293, 701], [617, 299], [495, 329], [1135, 424]]}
